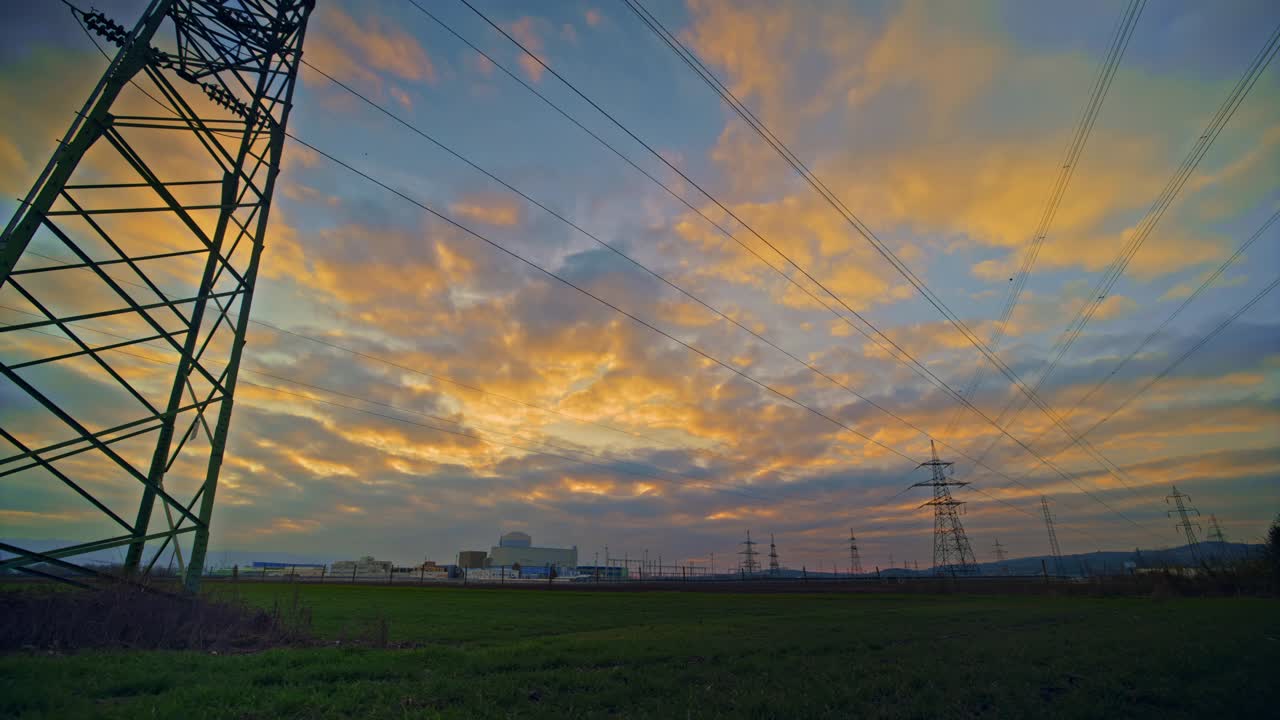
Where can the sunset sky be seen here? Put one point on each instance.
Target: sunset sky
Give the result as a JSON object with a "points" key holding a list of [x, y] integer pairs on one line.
{"points": [[942, 126]]}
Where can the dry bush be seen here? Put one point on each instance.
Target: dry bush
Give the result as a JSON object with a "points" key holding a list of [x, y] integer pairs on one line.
{"points": [[130, 616]]}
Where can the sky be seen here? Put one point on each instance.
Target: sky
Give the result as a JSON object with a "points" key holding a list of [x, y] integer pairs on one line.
{"points": [[942, 127]]}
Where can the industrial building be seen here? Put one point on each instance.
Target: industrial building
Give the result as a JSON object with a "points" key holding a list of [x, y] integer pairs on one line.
{"points": [[516, 548], [366, 565], [603, 572], [472, 559]]}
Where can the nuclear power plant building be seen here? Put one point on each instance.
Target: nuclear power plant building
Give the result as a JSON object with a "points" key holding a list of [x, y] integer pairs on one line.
{"points": [[517, 548]]}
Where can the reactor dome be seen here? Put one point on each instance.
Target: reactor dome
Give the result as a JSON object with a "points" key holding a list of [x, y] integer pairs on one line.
{"points": [[515, 539]]}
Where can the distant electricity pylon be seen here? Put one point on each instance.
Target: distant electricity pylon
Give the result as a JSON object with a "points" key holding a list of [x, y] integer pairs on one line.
{"points": [[774, 568], [1185, 522], [1000, 554], [146, 227], [855, 560], [951, 552], [749, 564], [1215, 530], [1053, 536]]}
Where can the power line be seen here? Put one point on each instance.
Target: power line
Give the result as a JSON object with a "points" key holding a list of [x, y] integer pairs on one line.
{"points": [[1147, 225], [1106, 74], [1204, 340], [763, 131], [613, 466], [636, 263], [665, 334], [1204, 285], [388, 188], [1188, 353], [860, 434], [1233, 102], [569, 283], [878, 337], [801, 169], [76, 13], [401, 409], [417, 371], [698, 482], [480, 390], [639, 265], [917, 366]]}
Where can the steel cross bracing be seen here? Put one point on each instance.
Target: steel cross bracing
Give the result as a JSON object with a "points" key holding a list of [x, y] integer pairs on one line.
{"points": [[952, 554], [855, 560], [164, 179], [750, 565], [1185, 523], [1053, 536], [1215, 530]]}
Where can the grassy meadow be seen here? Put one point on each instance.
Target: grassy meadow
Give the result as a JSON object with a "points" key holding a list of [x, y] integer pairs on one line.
{"points": [[480, 653]]}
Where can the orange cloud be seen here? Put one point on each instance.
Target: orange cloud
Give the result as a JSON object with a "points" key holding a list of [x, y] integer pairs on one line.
{"points": [[489, 210], [374, 42], [523, 30], [402, 97]]}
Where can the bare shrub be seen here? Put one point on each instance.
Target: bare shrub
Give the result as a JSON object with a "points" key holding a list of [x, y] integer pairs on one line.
{"points": [[125, 616]]}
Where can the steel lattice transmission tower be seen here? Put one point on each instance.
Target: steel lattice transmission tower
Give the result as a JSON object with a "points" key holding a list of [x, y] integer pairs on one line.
{"points": [[1188, 525], [1001, 556], [998, 549], [1053, 536], [774, 567], [750, 565], [130, 267], [1215, 530], [951, 551], [855, 559]]}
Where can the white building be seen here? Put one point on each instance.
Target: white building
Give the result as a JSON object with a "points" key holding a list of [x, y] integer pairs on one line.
{"points": [[517, 548], [366, 565]]}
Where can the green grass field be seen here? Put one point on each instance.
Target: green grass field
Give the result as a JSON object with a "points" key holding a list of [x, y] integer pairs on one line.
{"points": [[503, 653]]}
